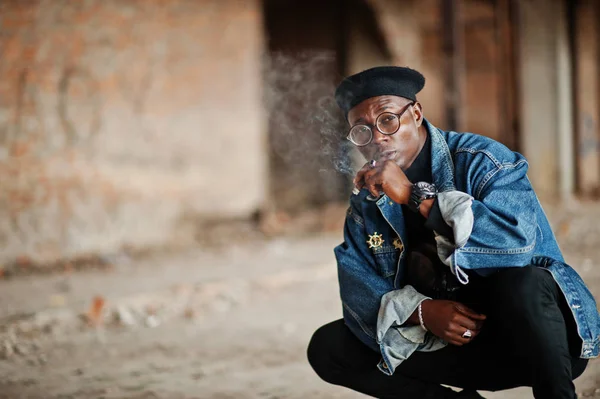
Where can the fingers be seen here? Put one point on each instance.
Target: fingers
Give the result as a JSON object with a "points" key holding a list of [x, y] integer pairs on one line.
{"points": [[455, 337], [360, 175], [458, 331], [469, 312], [463, 322], [359, 178], [369, 178], [453, 321], [460, 324], [372, 180]]}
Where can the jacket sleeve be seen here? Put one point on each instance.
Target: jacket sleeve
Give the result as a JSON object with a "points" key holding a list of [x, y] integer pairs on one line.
{"points": [[373, 309], [361, 287], [496, 227]]}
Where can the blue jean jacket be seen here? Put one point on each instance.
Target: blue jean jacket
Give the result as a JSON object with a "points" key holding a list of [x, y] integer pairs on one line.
{"points": [[487, 199]]}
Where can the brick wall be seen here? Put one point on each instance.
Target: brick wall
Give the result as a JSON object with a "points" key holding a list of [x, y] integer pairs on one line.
{"points": [[120, 119]]}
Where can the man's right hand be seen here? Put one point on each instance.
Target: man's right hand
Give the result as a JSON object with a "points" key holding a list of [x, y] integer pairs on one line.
{"points": [[449, 320]]}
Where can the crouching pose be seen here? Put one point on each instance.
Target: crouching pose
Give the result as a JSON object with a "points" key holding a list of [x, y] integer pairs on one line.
{"points": [[449, 271]]}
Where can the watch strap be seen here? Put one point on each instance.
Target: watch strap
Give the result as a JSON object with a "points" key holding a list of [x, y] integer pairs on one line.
{"points": [[420, 194]]}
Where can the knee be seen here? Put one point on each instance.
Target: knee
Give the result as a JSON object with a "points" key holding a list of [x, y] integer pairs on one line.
{"points": [[523, 281], [523, 289], [319, 354]]}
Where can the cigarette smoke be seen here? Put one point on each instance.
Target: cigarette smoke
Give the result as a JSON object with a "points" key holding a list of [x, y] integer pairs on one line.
{"points": [[307, 129]]}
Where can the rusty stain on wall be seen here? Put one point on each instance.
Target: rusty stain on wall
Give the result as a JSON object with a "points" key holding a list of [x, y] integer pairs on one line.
{"points": [[115, 116]]}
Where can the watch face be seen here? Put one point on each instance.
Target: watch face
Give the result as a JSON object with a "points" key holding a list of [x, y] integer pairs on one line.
{"points": [[423, 184], [427, 188], [421, 191]]}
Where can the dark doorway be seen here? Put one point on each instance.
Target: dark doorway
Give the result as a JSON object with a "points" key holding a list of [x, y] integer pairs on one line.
{"points": [[311, 45], [303, 64]]}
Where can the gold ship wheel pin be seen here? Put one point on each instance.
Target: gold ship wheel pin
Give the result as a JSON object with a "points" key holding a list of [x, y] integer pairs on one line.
{"points": [[375, 240]]}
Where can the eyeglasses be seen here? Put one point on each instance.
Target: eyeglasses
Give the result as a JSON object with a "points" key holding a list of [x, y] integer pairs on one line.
{"points": [[387, 123]]}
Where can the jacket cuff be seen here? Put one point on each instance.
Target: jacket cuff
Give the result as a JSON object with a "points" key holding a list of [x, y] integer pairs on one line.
{"points": [[396, 340], [436, 222], [455, 207]]}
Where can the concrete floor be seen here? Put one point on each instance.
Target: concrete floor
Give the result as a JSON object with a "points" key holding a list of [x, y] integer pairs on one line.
{"points": [[229, 323]]}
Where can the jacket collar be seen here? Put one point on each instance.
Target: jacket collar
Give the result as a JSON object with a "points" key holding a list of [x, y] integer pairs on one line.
{"points": [[442, 166]]}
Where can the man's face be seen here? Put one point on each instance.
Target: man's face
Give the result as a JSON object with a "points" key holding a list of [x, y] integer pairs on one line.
{"points": [[403, 146]]}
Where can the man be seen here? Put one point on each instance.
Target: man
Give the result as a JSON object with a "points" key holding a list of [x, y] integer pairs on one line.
{"points": [[449, 271]]}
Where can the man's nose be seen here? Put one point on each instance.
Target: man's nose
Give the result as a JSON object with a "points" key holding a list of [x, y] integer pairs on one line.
{"points": [[379, 137]]}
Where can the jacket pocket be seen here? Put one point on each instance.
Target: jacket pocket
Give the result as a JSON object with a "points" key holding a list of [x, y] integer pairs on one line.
{"points": [[386, 258]]}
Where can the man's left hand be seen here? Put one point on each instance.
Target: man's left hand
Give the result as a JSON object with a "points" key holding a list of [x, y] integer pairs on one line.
{"points": [[387, 177]]}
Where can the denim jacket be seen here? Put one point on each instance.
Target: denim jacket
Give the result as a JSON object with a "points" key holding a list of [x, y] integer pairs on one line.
{"points": [[487, 199]]}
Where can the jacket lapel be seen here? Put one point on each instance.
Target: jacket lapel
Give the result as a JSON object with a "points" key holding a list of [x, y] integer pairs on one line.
{"points": [[442, 166]]}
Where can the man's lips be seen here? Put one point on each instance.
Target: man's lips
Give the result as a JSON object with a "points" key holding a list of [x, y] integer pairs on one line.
{"points": [[387, 155]]}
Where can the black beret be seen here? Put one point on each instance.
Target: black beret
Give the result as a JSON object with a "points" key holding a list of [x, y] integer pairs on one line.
{"points": [[378, 81]]}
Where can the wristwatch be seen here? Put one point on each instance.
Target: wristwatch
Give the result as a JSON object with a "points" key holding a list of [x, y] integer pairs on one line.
{"points": [[421, 191]]}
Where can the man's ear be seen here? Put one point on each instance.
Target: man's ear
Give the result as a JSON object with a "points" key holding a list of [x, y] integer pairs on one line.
{"points": [[418, 113]]}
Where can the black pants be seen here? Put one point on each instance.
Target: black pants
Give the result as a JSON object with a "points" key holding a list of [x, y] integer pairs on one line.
{"points": [[528, 339]]}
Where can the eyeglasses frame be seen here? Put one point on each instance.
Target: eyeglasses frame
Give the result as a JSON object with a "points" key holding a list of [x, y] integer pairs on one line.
{"points": [[399, 115]]}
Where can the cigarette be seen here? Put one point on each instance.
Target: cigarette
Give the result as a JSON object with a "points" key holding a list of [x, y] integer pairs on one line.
{"points": [[355, 191]]}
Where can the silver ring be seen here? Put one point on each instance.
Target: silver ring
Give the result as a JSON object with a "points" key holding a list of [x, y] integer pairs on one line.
{"points": [[372, 163], [467, 334]]}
